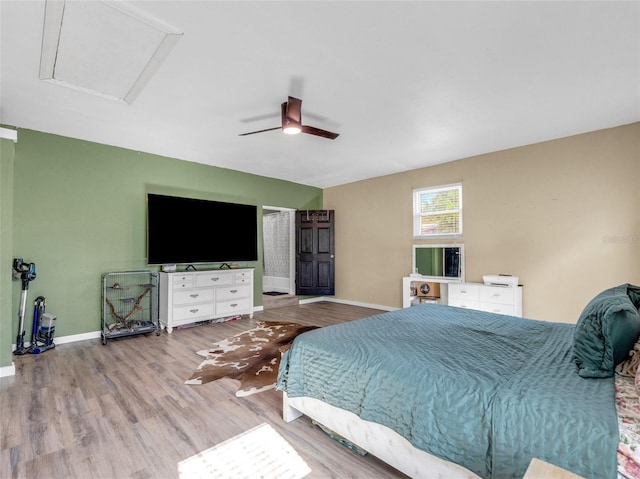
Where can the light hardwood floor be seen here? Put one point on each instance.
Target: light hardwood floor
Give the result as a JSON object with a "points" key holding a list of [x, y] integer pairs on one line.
{"points": [[85, 410]]}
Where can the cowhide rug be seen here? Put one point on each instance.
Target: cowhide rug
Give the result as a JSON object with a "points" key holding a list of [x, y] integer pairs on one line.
{"points": [[252, 357]]}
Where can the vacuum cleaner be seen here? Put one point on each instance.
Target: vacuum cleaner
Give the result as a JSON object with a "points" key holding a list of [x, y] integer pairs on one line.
{"points": [[27, 273], [43, 327]]}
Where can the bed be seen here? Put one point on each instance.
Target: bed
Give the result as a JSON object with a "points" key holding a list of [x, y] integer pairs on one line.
{"points": [[438, 391]]}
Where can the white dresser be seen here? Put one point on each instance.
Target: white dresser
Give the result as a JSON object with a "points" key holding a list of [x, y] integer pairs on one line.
{"points": [[191, 296], [493, 299]]}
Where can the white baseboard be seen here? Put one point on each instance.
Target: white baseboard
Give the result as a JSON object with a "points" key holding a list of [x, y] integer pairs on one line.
{"points": [[8, 370], [333, 299], [317, 299], [364, 305], [77, 337], [72, 338]]}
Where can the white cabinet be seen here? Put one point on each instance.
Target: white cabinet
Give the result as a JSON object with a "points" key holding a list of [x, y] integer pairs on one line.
{"points": [[493, 299], [465, 295], [188, 297], [411, 284]]}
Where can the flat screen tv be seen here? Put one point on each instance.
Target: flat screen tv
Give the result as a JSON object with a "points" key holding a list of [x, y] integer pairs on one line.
{"points": [[188, 231]]}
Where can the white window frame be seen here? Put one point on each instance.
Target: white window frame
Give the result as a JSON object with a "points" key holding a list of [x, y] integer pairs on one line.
{"points": [[417, 214]]}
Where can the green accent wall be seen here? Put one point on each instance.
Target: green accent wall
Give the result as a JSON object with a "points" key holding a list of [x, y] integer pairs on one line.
{"points": [[7, 150], [79, 211]]}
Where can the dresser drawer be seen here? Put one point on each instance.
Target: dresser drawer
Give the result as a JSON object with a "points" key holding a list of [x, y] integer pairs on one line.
{"points": [[228, 308], [498, 308], [214, 279], [193, 312], [231, 292], [464, 303], [189, 296], [497, 294], [242, 277], [183, 281], [464, 292]]}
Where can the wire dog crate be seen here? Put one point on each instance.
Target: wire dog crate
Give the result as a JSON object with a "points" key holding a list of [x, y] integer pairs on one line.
{"points": [[129, 304]]}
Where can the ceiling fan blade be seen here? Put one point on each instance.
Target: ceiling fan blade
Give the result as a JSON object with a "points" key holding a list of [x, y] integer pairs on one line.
{"points": [[283, 114], [318, 132], [260, 131], [294, 110]]}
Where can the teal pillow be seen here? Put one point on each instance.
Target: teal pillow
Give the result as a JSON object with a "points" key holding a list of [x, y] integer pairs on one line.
{"points": [[634, 295], [606, 331]]}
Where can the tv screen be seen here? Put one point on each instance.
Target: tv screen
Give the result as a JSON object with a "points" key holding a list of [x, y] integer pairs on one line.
{"points": [[188, 230]]}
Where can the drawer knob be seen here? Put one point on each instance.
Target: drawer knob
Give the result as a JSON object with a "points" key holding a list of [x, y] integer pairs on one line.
{"points": [[215, 279], [194, 295], [463, 291], [194, 311], [233, 291], [234, 305]]}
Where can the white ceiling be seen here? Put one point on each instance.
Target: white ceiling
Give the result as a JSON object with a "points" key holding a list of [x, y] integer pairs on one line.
{"points": [[406, 84]]}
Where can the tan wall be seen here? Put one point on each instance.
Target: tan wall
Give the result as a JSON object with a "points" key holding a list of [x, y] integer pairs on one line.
{"points": [[563, 215]]}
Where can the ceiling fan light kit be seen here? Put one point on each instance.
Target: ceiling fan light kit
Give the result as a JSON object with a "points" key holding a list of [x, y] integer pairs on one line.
{"points": [[292, 122], [289, 125]]}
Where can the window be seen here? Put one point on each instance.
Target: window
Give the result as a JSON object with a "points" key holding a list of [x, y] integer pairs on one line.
{"points": [[437, 211]]}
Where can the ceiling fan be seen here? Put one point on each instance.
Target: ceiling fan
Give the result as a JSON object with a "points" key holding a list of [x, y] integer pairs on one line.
{"points": [[292, 122]]}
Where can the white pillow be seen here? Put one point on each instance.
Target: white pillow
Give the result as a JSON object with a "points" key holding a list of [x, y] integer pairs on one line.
{"points": [[629, 367]]}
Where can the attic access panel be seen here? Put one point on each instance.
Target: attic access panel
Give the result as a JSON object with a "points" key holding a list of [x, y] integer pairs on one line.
{"points": [[103, 48]]}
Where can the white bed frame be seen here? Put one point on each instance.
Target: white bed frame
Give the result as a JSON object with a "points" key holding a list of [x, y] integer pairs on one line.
{"points": [[382, 442]]}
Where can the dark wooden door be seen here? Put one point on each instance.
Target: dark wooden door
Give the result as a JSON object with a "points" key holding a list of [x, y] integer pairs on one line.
{"points": [[315, 252]]}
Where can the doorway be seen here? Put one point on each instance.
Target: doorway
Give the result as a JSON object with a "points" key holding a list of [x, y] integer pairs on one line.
{"points": [[278, 244], [315, 253]]}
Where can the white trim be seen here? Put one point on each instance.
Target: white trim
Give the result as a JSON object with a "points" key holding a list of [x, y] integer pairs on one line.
{"points": [[77, 337], [53, 14], [277, 208], [53, 22], [292, 244], [417, 214], [333, 299], [315, 299], [8, 134], [72, 338], [7, 371]]}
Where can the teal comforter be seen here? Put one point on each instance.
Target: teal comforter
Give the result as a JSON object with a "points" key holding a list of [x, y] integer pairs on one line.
{"points": [[486, 391]]}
